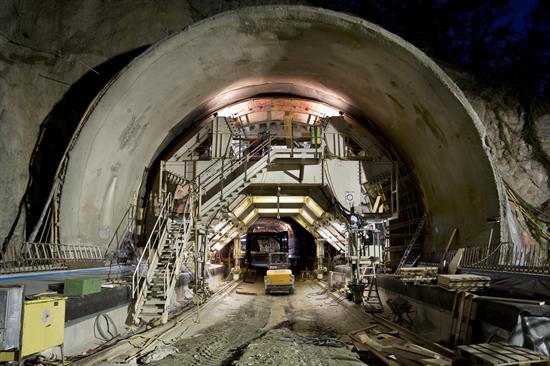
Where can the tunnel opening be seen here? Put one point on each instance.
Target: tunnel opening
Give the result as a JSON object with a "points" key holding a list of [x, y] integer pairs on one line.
{"points": [[268, 235], [440, 151], [290, 122]]}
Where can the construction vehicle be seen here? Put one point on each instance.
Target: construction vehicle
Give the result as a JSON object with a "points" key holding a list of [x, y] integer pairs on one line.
{"points": [[279, 277]]}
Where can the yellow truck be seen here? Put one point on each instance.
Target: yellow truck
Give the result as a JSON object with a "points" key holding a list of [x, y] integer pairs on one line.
{"points": [[279, 278]]}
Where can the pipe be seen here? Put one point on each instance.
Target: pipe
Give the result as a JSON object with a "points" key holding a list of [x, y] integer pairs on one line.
{"points": [[515, 301]]}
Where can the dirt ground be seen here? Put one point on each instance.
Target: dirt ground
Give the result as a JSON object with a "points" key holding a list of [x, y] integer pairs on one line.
{"points": [[250, 328]]}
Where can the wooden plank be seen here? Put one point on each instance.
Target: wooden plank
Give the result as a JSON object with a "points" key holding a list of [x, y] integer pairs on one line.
{"points": [[448, 245], [424, 350], [372, 326], [460, 313], [468, 300], [360, 346], [504, 353], [483, 351], [406, 353], [453, 321], [435, 362], [480, 354], [382, 356], [520, 350], [420, 352]]}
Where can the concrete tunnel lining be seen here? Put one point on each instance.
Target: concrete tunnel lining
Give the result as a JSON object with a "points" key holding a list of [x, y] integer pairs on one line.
{"points": [[338, 59]]}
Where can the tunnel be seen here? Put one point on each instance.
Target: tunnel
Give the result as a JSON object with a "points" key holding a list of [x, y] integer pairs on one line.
{"points": [[199, 177], [355, 67]]}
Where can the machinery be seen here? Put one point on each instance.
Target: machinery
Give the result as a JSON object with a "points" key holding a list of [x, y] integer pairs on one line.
{"points": [[279, 278], [260, 245]]}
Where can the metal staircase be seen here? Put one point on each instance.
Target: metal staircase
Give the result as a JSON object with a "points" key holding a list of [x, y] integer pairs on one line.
{"points": [[236, 132], [224, 181], [172, 241], [158, 269]]}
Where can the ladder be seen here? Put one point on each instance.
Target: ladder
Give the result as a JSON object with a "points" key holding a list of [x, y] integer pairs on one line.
{"points": [[236, 132], [411, 244], [371, 301]]}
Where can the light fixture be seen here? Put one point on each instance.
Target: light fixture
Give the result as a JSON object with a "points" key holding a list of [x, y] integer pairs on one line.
{"points": [[278, 210], [250, 216], [242, 206]]}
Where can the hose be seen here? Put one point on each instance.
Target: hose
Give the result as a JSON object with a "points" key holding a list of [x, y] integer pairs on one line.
{"points": [[108, 321]]}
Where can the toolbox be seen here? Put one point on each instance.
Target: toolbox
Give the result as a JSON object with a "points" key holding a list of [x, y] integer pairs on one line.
{"points": [[82, 286]]}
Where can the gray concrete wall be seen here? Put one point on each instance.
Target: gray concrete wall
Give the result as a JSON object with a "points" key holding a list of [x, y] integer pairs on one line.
{"points": [[341, 60], [44, 48], [82, 335]]}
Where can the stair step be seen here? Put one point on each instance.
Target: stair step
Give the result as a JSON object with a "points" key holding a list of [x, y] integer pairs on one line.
{"points": [[154, 285], [155, 301], [156, 294], [148, 318], [148, 313]]}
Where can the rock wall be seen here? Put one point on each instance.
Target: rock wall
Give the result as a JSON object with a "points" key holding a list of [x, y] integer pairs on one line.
{"points": [[520, 151], [47, 46]]}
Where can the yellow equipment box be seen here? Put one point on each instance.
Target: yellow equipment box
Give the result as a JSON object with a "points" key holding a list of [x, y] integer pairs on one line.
{"points": [[279, 276], [279, 280], [43, 325]]}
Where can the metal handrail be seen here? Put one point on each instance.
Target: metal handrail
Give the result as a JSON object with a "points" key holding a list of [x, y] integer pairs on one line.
{"points": [[47, 256], [151, 244], [234, 162], [170, 278], [127, 228], [503, 257], [58, 248]]}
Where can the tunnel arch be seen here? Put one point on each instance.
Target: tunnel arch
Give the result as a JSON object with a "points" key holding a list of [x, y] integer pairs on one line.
{"points": [[338, 59]]}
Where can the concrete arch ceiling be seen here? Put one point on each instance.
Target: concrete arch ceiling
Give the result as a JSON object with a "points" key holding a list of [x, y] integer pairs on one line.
{"points": [[335, 58]]}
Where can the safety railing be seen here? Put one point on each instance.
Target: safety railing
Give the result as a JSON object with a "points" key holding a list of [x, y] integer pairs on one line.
{"points": [[504, 257], [124, 229], [181, 246], [150, 255], [214, 173], [51, 256]]}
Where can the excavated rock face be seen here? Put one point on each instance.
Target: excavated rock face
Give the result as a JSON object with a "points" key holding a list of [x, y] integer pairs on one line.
{"points": [[513, 156], [524, 175], [543, 132], [522, 166], [45, 48]]}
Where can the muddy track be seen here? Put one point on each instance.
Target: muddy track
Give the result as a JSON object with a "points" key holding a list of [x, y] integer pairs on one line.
{"points": [[250, 330], [223, 343]]}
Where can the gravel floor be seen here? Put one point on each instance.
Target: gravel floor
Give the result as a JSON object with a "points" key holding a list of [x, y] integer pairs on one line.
{"points": [[250, 328]]}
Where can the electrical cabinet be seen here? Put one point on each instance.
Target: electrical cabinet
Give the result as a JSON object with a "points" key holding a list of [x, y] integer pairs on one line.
{"points": [[43, 325], [29, 327]]}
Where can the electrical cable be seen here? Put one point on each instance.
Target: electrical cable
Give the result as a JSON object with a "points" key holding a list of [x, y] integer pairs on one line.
{"points": [[108, 321]]}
